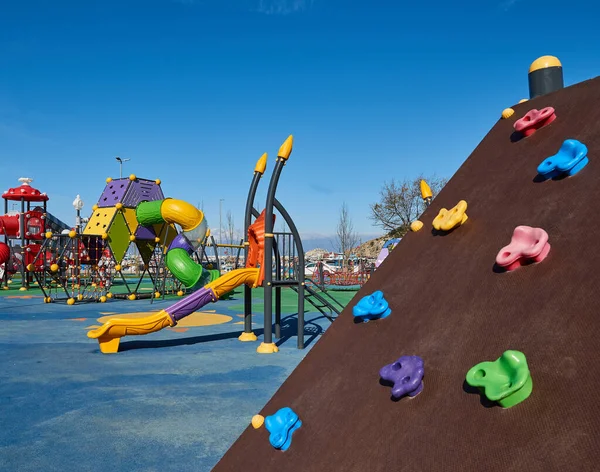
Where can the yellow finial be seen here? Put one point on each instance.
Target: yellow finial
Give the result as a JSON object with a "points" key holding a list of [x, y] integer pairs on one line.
{"points": [[261, 164], [286, 148], [157, 181], [207, 233], [425, 190], [544, 62]]}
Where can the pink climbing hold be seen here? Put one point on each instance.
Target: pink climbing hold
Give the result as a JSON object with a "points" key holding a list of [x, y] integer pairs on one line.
{"points": [[527, 245]]}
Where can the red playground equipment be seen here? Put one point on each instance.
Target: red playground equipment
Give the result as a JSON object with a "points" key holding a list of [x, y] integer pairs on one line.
{"points": [[22, 231]]}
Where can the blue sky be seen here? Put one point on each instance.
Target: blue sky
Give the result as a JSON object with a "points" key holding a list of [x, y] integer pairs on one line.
{"points": [[195, 91]]}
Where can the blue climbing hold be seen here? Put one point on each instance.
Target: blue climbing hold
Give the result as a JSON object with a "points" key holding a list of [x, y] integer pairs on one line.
{"points": [[372, 307], [570, 159], [281, 426]]}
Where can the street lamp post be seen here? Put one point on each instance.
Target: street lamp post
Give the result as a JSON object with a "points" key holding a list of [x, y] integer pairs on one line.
{"points": [[78, 205], [121, 165]]}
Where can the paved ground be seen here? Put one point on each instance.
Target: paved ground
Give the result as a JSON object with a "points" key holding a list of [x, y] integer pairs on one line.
{"points": [[171, 401]]}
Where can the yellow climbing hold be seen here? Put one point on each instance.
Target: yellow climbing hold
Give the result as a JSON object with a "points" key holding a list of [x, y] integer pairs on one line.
{"points": [[450, 219], [416, 225], [257, 421], [507, 113]]}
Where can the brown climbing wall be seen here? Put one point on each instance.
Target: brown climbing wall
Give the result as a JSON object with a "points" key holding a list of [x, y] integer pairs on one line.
{"points": [[453, 310]]}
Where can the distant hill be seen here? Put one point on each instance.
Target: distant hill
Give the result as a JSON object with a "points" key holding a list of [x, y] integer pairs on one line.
{"points": [[328, 242]]}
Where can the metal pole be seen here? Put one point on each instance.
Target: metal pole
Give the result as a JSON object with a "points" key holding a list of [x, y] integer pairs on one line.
{"points": [[267, 345], [121, 165], [24, 283], [259, 170]]}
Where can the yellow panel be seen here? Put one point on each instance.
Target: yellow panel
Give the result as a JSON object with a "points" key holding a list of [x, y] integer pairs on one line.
{"points": [[100, 221], [170, 232], [132, 222]]}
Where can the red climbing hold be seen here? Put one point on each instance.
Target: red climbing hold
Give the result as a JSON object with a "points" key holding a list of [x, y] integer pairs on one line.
{"points": [[534, 120]]}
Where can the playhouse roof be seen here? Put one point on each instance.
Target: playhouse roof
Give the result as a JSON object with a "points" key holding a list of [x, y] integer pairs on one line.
{"points": [[25, 192]]}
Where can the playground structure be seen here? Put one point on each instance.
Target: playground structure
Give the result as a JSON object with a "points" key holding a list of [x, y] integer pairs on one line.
{"points": [[23, 230], [273, 260], [82, 265], [465, 315]]}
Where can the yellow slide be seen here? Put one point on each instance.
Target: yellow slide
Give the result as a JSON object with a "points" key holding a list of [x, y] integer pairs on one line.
{"points": [[110, 333]]}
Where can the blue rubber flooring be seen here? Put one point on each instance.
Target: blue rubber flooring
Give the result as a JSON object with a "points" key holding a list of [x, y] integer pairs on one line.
{"points": [[171, 401]]}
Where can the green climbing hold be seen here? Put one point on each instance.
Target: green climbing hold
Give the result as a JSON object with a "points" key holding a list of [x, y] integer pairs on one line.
{"points": [[506, 380]]}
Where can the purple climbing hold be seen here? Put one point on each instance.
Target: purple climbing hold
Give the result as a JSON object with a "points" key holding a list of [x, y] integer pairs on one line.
{"points": [[406, 375]]}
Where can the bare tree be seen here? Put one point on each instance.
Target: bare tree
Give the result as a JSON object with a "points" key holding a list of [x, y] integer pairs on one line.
{"points": [[346, 237], [230, 228], [400, 203]]}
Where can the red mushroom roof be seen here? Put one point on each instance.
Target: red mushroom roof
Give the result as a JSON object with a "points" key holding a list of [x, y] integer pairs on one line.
{"points": [[25, 192]]}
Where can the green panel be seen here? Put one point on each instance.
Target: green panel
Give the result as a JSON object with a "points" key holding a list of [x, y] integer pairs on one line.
{"points": [[118, 237], [148, 213], [146, 249]]}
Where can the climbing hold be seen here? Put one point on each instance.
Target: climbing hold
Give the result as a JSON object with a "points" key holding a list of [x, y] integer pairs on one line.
{"points": [[416, 225], [281, 426], [570, 159], [372, 307], [450, 219], [527, 245], [507, 113], [506, 380], [406, 375], [534, 120], [257, 421]]}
